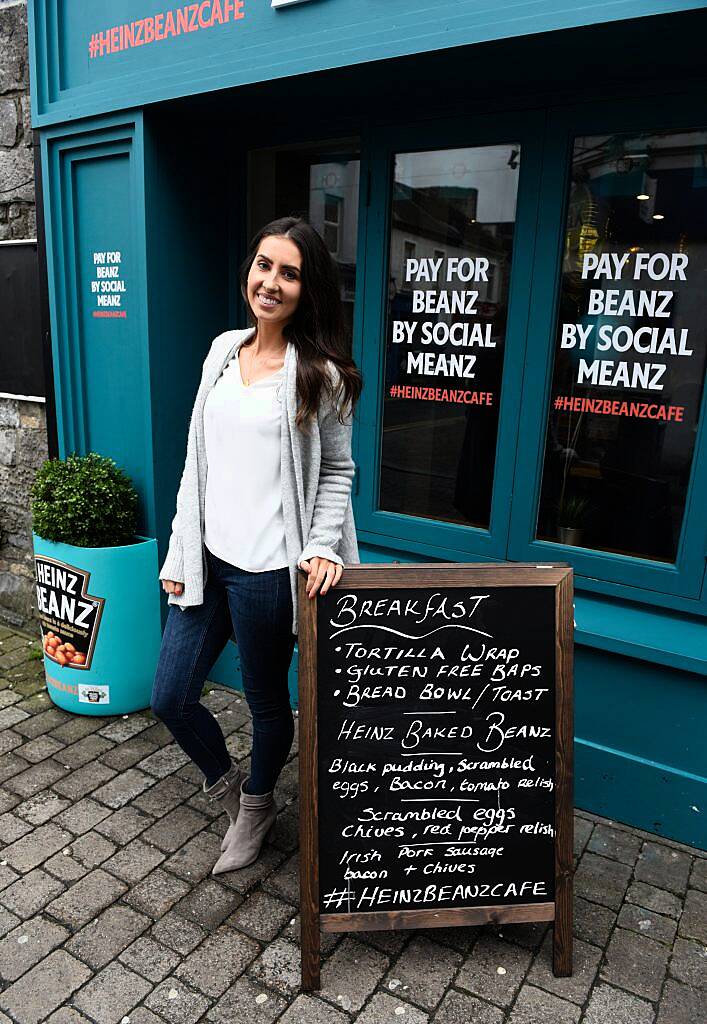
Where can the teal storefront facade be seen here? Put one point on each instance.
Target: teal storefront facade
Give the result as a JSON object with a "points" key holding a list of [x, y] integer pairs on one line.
{"points": [[516, 195]]}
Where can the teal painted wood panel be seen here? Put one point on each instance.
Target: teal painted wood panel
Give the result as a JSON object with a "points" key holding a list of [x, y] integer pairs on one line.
{"points": [[266, 43], [94, 204]]}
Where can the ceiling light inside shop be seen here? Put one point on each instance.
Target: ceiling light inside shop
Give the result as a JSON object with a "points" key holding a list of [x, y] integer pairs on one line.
{"points": [[658, 216], [642, 195]]}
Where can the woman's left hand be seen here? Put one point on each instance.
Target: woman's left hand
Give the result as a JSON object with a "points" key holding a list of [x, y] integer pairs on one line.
{"points": [[321, 574]]}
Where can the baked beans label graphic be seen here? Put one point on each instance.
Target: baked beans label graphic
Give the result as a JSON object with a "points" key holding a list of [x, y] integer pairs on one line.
{"points": [[68, 614]]}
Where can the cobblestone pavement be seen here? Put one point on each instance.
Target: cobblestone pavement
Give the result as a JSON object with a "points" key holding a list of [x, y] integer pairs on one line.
{"points": [[108, 911]]}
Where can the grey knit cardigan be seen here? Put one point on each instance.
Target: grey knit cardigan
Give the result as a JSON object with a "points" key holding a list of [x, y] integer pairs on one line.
{"points": [[316, 472]]}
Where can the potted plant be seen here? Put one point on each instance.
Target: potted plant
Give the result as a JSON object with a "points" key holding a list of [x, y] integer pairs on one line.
{"points": [[571, 517], [97, 598]]}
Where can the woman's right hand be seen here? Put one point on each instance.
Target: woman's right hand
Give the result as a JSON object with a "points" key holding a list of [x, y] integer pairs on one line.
{"points": [[173, 587]]}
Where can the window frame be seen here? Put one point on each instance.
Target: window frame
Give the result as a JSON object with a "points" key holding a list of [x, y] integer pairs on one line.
{"points": [[436, 537], [684, 583]]}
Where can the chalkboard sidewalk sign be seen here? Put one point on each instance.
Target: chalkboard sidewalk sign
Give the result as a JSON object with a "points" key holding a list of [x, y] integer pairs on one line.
{"points": [[435, 714]]}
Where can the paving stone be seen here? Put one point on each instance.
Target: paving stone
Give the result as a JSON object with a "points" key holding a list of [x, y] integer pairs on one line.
{"points": [[82, 816], [128, 754], [389, 943], [7, 801], [173, 1001], [91, 849], [311, 1010], [123, 788], [65, 867], [534, 1005], [82, 781], [11, 716], [33, 996], [149, 958], [90, 748], [239, 1004], [602, 880], [165, 761], [424, 971], [111, 994], [8, 921], [39, 724], [101, 940], [480, 976], [29, 851], [279, 967], [38, 777], [328, 941], [262, 916], [637, 919], [651, 898], [217, 962], [172, 831], [39, 937], [635, 963], [11, 765], [29, 894], [196, 858], [122, 729], [689, 963], [285, 881], [615, 844], [180, 935], [351, 974], [86, 898], [663, 867], [529, 935], [208, 904], [12, 827], [42, 807], [40, 748], [67, 1015], [165, 796], [157, 893], [134, 861], [125, 824], [455, 1008], [592, 923], [611, 1006], [681, 1004], [693, 923], [386, 1009], [76, 727], [286, 836], [9, 740], [698, 877], [7, 876], [141, 1015], [585, 964]]}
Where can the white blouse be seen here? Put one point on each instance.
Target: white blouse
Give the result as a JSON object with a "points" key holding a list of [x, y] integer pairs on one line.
{"points": [[244, 522]]}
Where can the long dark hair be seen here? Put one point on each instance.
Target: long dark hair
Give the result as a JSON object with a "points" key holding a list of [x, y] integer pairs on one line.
{"points": [[317, 327]]}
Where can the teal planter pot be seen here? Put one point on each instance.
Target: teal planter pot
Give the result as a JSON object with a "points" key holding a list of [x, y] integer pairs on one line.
{"points": [[103, 605]]}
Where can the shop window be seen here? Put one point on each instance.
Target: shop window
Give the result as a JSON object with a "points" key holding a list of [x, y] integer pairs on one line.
{"points": [[630, 347], [452, 222], [320, 183], [21, 355]]}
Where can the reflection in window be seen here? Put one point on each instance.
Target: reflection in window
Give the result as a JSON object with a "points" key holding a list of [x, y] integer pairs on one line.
{"points": [[451, 239], [319, 183], [630, 349]]}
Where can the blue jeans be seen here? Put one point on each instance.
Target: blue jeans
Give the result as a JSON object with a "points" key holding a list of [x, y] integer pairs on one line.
{"points": [[257, 608]]}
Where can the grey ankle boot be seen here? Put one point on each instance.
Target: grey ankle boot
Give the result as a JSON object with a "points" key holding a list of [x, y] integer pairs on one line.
{"points": [[256, 820], [228, 793]]}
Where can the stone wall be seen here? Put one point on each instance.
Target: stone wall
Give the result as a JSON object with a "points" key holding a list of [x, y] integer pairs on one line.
{"points": [[23, 434]]}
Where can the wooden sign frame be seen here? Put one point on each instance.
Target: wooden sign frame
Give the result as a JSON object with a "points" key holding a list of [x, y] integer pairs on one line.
{"points": [[437, 574]]}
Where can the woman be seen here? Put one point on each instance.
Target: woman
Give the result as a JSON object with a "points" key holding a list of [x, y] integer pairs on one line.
{"points": [[272, 422]]}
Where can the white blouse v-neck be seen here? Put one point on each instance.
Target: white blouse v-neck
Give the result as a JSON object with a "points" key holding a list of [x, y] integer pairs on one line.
{"points": [[244, 522]]}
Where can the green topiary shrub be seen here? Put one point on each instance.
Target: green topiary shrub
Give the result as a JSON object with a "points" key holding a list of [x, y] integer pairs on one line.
{"points": [[86, 500]]}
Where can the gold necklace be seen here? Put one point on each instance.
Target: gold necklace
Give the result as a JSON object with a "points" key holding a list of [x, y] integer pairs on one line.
{"points": [[247, 377]]}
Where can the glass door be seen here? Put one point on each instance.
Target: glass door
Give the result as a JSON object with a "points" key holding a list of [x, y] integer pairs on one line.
{"points": [[450, 238]]}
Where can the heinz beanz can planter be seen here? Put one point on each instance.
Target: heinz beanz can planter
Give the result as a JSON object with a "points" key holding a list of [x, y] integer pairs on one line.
{"points": [[99, 611]]}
